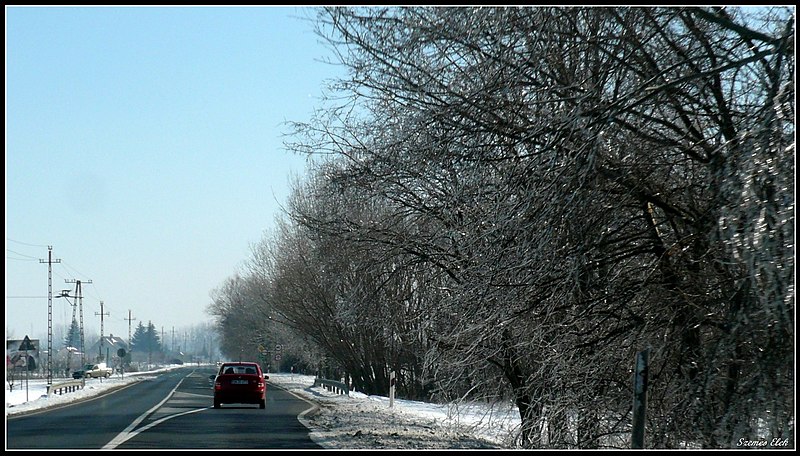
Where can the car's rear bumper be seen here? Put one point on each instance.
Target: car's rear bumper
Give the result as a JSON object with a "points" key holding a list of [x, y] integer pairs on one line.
{"points": [[239, 398]]}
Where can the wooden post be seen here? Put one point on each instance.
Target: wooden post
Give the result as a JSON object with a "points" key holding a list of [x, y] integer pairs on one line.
{"points": [[639, 399]]}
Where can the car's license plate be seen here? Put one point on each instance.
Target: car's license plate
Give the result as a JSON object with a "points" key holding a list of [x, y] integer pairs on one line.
{"points": [[239, 382]]}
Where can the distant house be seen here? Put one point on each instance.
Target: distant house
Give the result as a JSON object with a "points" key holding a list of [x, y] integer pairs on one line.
{"points": [[15, 358], [110, 346]]}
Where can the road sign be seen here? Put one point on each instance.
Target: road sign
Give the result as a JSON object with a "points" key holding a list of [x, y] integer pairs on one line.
{"points": [[277, 357], [278, 347], [121, 352], [26, 345]]}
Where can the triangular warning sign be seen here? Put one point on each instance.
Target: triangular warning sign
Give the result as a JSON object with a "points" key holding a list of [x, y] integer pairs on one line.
{"points": [[26, 345]]}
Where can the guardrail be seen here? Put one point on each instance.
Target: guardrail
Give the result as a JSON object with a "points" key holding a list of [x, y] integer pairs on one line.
{"points": [[332, 385], [66, 387]]}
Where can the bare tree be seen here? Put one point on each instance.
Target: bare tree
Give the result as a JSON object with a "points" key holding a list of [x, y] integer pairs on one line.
{"points": [[576, 184]]}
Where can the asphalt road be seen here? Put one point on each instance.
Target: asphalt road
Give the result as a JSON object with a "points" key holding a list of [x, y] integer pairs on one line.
{"points": [[171, 411]]}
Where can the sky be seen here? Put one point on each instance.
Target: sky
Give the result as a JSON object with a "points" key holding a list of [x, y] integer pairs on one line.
{"points": [[354, 421], [145, 145]]}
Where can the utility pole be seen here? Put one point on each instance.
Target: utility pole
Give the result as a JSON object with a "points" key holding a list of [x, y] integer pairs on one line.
{"points": [[65, 294], [173, 340], [100, 357], [79, 297], [149, 344], [130, 342], [50, 262]]}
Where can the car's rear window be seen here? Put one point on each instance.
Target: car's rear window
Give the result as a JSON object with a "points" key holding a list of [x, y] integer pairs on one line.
{"points": [[239, 370]]}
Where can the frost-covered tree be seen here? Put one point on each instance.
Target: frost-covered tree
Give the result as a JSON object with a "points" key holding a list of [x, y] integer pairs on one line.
{"points": [[353, 305], [583, 183]]}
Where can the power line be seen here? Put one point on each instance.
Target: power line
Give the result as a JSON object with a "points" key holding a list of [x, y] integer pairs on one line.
{"points": [[56, 273], [25, 243], [79, 273], [21, 254], [89, 293], [68, 267], [21, 259], [93, 286]]}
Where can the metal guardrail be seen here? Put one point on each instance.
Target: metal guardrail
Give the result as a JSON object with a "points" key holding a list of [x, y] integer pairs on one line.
{"points": [[66, 387], [332, 385]]}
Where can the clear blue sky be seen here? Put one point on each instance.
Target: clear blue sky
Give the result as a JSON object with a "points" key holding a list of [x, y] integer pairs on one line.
{"points": [[145, 144]]}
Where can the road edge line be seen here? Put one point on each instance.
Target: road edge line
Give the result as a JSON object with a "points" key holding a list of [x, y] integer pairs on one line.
{"points": [[301, 417]]}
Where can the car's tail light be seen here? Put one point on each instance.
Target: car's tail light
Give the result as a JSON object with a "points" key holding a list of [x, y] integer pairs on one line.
{"points": [[217, 385]]}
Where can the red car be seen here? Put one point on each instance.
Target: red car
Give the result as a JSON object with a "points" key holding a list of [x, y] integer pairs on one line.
{"points": [[240, 383]]}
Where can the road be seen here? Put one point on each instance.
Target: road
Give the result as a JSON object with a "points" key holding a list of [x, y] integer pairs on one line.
{"points": [[170, 411]]}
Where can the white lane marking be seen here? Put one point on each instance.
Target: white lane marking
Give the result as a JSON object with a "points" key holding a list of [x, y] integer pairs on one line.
{"points": [[131, 435], [195, 394], [127, 434]]}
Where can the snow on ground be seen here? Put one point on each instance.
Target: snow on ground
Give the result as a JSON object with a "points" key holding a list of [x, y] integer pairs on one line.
{"points": [[33, 395], [359, 421], [354, 421]]}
